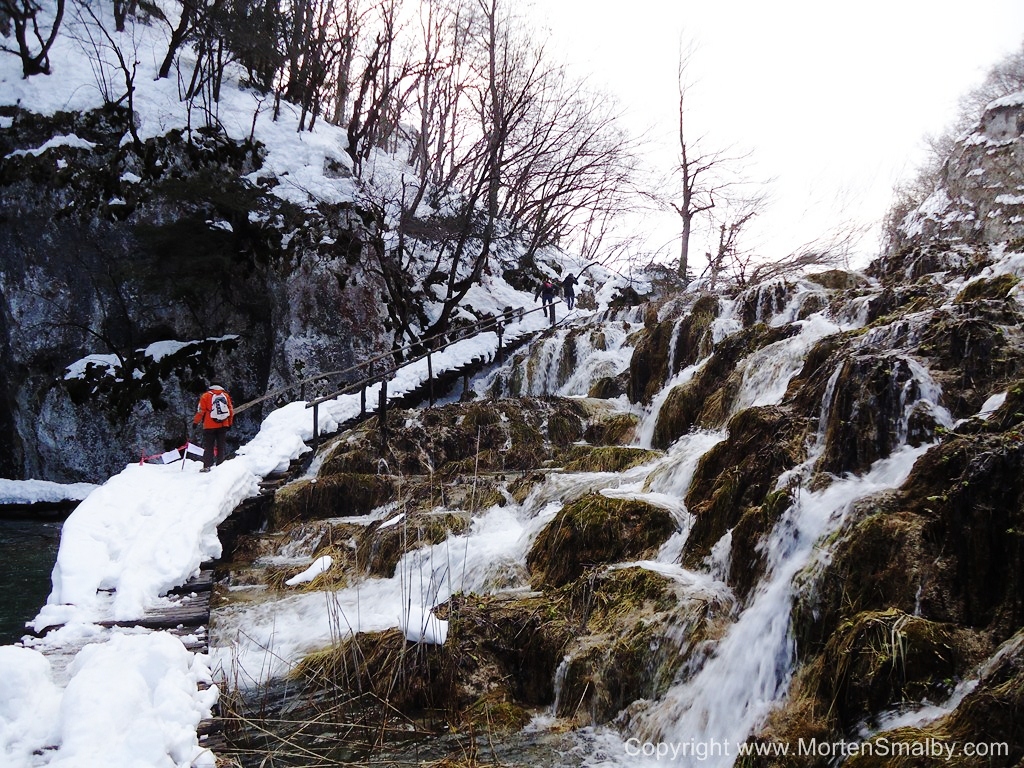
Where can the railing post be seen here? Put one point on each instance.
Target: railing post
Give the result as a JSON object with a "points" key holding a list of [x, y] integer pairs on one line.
{"points": [[430, 377], [362, 401], [501, 334], [316, 427], [382, 407]]}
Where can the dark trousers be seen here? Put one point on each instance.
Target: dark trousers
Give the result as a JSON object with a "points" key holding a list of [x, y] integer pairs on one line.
{"points": [[215, 439], [548, 302], [570, 299]]}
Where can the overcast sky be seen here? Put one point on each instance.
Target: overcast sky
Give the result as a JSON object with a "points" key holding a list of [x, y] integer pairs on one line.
{"points": [[832, 99]]}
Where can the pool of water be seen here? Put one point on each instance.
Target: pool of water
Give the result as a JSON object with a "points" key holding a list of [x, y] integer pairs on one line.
{"points": [[28, 550]]}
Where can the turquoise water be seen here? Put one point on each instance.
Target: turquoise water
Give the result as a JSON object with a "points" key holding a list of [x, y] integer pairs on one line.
{"points": [[28, 550]]}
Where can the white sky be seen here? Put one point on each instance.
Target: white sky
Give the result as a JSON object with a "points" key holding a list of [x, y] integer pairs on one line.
{"points": [[832, 99]]}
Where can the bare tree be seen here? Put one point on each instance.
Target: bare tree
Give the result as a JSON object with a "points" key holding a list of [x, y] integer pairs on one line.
{"points": [[375, 112], [700, 180], [23, 16], [730, 256], [351, 18], [122, 10], [832, 249], [571, 168], [189, 10], [98, 42]]}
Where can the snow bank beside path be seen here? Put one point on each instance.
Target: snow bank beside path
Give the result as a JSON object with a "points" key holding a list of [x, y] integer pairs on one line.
{"points": [[134, 700]]}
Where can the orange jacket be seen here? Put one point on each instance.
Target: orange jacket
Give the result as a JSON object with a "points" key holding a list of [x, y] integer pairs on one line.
{"points": [[206, 405]]}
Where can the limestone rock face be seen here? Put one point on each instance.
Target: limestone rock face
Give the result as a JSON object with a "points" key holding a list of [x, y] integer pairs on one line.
{"points": [[979, 201], [173, 266]]}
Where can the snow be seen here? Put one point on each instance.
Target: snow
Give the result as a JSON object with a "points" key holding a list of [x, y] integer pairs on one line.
{"points": [[57, 141], [37, 491], [320, 565], [1011, 100], [128, 543], [148, 681]]}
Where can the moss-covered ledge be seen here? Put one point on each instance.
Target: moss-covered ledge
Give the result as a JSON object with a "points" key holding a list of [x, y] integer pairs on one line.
{"points": [[596, 530]]}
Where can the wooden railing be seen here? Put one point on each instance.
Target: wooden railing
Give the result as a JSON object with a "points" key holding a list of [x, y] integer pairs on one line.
{"points": [[496, 323]]}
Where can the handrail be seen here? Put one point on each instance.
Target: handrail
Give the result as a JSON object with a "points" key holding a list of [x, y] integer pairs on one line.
{"points": [[480, 325]]}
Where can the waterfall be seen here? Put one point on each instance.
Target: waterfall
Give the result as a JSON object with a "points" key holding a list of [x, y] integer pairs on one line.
{"points": [[728, 698], [768, 371], [649, 418], [723, 693], [752, 665], [566, 363]]}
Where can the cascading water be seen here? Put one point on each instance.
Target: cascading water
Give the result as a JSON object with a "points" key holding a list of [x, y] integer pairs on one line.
{"points": [[714, 711], [723, 693], [729, 697], [566, 363]]}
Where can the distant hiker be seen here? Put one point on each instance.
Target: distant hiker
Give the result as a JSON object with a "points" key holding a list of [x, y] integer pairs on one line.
{"points": [[547, 292], [569, 290], [215, 413]]}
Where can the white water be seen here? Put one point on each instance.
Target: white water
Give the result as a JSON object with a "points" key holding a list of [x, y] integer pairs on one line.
{"points": [[729, 693], [599, 352], [751, 667]]}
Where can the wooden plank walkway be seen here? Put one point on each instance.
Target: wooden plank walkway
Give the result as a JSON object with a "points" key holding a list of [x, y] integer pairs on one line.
{"points": [[188, 618]]}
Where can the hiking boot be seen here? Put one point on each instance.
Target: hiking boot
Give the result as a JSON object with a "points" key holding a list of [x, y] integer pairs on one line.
{"points": [[205, 469]]}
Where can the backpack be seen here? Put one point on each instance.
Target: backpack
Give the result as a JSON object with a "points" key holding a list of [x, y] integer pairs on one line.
{"points": [[220, 410]]}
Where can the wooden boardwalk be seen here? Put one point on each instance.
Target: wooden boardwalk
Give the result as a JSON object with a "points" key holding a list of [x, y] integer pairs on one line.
{"points": [[189, 613], [189, 616]]}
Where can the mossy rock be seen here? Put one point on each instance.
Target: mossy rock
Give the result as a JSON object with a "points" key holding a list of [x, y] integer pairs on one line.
{"points": [[807, 389], [596, 530], [994, 288], [837, 279], [748, 558], [738, 473], [499, 659], [350, 455], [385, 668], [565, 427], [878, 660], [619, 429], [586, 458], [521, 487], [461, 439], [507, 646], [611, 597], [988, 717], [661, 342], [760, 303], [380, 549], [705, 400], [866, 412], [969, 492], [947, 546], [495, 712], [970, 353], [879, 561], [608, 388], [605, 677], [637, 631], [332, 496]]}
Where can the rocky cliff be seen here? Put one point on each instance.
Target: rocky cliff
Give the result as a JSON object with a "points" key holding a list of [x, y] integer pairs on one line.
{"points": [[130, 273]]}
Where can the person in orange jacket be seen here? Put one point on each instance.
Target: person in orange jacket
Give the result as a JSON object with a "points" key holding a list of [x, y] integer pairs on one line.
{"points": [[215, 413]]}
